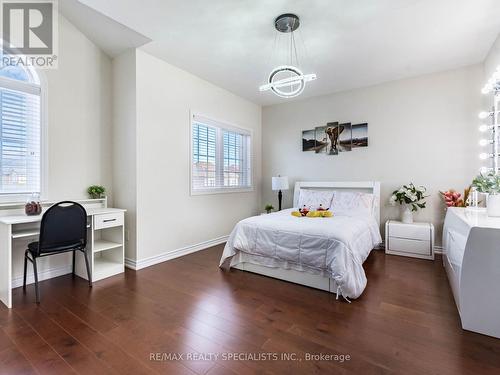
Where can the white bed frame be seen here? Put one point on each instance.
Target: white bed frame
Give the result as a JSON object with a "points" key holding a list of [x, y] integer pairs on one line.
{"points": [[305, 278]]}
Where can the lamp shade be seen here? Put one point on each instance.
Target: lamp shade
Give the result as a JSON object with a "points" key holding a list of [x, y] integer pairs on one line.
{"points": [[280, 183]]}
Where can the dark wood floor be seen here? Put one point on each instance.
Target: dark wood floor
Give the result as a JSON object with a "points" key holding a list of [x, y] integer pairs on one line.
{"points": [[405, 323]]}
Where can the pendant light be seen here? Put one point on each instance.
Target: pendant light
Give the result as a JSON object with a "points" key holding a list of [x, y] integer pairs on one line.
{"points": [[288, 81]]}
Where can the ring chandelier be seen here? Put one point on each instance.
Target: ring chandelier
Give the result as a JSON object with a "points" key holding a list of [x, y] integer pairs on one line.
{"points": [[288, 81]]}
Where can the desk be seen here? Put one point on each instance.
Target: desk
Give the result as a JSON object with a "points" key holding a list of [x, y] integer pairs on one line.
{"points": [[105, 245]]}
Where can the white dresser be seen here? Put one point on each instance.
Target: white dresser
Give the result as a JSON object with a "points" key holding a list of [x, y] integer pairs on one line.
{"points": [[471, 256], [414, 240]]}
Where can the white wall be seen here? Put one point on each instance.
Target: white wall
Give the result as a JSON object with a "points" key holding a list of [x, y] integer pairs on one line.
{"points": [[492, 60], [421, 130], [79, 116], [124, 143], [168, 218], [79, 129]]}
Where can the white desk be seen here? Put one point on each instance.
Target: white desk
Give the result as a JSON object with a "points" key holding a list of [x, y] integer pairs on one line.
{"points": [[105, 244]]}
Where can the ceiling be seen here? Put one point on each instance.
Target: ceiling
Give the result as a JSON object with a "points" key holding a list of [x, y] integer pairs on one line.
{"points": [[348, 44], [112, 37]]}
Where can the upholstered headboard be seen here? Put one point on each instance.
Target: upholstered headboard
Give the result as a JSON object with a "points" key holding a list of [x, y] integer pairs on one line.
{"points": [[372, 187]]}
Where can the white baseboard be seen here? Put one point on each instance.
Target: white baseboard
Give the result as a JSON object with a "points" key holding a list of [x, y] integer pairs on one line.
{"points": [[147, 262], [42, 275]]}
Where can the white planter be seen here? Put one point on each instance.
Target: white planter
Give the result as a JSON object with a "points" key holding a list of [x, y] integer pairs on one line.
{"points": [[406, 214], [493, 205]]}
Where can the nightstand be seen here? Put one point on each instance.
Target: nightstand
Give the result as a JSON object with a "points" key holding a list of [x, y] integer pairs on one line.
{"points": [[412, 240]]}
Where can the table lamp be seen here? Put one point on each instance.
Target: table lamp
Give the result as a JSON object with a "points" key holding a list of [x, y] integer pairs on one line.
{"points": [[280, 183]]}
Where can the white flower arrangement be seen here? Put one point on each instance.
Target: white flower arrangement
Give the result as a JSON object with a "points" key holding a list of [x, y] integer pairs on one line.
{"points": [[409, 194]]}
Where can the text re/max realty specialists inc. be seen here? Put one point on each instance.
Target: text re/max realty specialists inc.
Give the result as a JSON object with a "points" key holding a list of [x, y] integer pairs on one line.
{"points": [[244, 356]]}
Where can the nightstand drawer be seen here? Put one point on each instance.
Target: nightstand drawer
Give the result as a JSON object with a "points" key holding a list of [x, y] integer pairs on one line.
{"points": [[410, 246], [414, 231]]}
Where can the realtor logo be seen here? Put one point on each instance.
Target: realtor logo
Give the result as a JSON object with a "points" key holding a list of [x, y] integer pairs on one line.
{"points": [[29, 30]]}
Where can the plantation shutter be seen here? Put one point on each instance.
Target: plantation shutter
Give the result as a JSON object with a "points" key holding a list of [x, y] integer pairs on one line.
{"points": [[221, 156], [19, 139]]}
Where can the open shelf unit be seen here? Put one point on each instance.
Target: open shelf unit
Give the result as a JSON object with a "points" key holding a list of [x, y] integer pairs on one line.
{"points": [[106, 247], [101, 245]]}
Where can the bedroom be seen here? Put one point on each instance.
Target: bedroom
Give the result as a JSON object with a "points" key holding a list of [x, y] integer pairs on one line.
{"points": [[183, 113]]}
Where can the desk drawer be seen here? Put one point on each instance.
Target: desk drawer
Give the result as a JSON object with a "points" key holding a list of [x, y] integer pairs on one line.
{"points": [[409, 246], [108, 220]]}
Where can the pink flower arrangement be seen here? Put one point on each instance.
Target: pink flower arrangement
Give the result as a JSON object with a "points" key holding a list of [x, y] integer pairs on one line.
{"points": [[453, 198]]}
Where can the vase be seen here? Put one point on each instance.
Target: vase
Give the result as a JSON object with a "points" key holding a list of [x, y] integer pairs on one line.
{"points": [[406, 214], [33, 206], [493, 205], [483, 198]]}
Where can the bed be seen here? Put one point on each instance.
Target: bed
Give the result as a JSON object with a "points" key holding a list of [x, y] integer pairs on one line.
{"points": [[323, 253]]}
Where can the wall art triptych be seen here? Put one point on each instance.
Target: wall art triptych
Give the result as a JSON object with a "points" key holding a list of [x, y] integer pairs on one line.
{"points": [[335, 137]]}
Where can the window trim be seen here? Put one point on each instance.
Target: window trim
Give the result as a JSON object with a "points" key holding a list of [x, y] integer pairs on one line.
{"points": [[212, 121], [31, 88]]}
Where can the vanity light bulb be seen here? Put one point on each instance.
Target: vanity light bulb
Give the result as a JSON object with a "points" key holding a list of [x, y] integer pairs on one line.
{"points": [[484, 170], [483, 115], [485, 90], [483, 128], [484, 156], [484, 142]]}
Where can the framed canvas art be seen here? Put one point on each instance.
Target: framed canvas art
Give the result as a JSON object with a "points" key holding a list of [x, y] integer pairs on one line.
{"points": [[360, 135]]}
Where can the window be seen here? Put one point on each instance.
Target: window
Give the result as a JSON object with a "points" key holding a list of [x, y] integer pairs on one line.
{"points": [[220, 157], [20, 133]]}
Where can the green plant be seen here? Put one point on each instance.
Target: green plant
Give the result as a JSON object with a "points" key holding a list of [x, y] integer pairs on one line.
{"points": [[96, 191], [409, 194], [268, 208], [487, 183]]}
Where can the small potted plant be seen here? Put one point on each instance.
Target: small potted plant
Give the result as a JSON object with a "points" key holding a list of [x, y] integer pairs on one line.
{"points": [[489, 184], [96, 191], [411, 198], [268, 208]]}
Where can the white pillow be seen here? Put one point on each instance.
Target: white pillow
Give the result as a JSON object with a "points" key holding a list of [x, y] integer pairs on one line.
{"points": [[352, 203], [313, 198]]}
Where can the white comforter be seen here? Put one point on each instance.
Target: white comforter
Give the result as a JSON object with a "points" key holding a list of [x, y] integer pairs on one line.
{"points": [[335, 247]]}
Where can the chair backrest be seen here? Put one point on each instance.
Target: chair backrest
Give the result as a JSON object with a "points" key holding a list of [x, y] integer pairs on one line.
{"points": [[63, 227]]}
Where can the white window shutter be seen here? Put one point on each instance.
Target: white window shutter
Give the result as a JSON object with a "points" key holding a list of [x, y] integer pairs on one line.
{"points": [[20, 154], [220, 158]]}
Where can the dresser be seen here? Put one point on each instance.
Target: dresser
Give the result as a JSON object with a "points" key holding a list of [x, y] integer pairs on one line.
{"points": [[471, 257], [414, 240]]}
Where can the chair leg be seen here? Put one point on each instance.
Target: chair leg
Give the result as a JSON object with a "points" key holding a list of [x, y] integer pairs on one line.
{"points": [[73, 262], [37, 291], [88, 267], [25, 270]]}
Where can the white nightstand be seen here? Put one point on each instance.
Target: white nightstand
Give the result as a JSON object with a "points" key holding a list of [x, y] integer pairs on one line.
{"points": [[412, 240]]}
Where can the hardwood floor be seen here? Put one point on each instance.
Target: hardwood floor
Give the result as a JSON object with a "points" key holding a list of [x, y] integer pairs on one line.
{"points": [[405, 323]]}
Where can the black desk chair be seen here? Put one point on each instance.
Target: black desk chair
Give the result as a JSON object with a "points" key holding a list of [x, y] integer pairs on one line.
{"points": [[63, 228]]}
